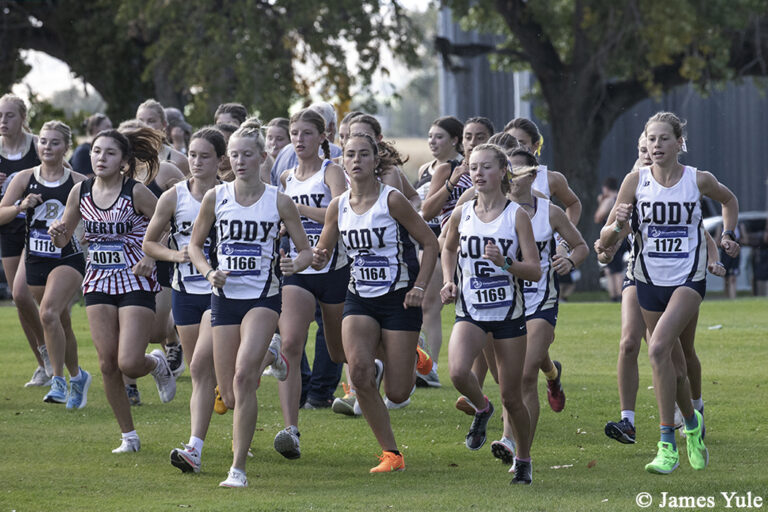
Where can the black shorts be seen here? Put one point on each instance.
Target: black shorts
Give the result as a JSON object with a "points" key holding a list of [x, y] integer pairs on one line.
{"points": [[501, 329], [38, 269], [188, 308], [135, 298], [387, 310], [226, 311], [12, 244], [627, 283], [164, 273], [617, 265], [549, 314], [329, 287], [656, 298]]}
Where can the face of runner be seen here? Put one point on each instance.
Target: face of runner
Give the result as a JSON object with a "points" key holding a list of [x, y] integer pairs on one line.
{"points": [[51, 147], [642, 151], [106, 157], [245, 157], [521, 183], [662, 144], [203, 162], [226, 118], [149, 117], [524, 139], [343, 133], [485, 171], [474, 135], [441, 144], [277, 139], [360, 160], [305, 139], [11, 120]]}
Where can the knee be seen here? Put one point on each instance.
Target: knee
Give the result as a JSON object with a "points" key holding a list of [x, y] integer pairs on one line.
{"points": [[512, 402], [132, 366], [292, 348], [459, 374], [530, 381], [108, 367], [398, 396], [363, 377], [245, 380], [49, 317], [658, 353], [629, 347]]}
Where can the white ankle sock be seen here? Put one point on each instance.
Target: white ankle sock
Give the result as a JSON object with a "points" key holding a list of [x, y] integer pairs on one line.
{"points": [[630, 415], [196, 443]]}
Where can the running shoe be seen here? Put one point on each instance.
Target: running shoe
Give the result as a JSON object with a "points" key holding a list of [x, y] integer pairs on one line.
{"points": [[698, 455], [175, 357], [58, 392], [346, 404], [78, 390], [39, 378], [314, 403], [555, 394], [504, 449], [389, 462], [679, 422], [666, 461], [134, 397], [46, 360], [166, 383], [423, 361], [187, 460], [394, 405], [623, 431], [464, 406], [218, 404], [476, 436], [703, 425], [128, 445], [280, 364], [430, 380], [235, 478], [287, 444], [378, 372], [523, 472]]}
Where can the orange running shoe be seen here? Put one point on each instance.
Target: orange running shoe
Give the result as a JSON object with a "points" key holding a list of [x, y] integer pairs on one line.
{"points": [[463, 405], [423, 361], [218, 404], [389, 463]]}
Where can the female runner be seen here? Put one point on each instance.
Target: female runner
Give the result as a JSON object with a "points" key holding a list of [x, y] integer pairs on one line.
{"points": [[153, 115], [312, 184], [382, 311], [245, 304], [120, 281], [53, 274], [17, 152], [670, 271]]}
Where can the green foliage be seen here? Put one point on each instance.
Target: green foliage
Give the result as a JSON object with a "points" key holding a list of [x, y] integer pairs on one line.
{"points": [[54, 459]]}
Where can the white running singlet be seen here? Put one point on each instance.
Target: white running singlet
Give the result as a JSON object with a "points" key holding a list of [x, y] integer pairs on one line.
{"points": [[542, 295], [186, 278]]}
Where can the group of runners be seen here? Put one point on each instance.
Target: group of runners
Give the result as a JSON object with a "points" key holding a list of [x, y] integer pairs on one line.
{"points": [[231, 249]]}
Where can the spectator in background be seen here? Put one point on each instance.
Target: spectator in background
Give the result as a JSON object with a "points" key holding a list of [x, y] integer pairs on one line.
{"points": [[230, 113], [81, 157], [614, 271]]}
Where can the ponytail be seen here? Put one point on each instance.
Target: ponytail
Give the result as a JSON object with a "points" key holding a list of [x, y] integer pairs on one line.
{"points": [[326, 149]]}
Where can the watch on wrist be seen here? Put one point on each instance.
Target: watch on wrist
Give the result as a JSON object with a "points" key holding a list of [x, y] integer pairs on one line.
{"points": [[729, 233], [507, 263]]}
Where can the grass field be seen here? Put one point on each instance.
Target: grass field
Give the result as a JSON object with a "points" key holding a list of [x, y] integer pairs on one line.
{"points": [[53, 459]]}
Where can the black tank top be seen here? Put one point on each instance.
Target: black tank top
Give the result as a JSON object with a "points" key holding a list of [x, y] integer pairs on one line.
{"points": [[10, 168], [155, 189], [39, 245]]}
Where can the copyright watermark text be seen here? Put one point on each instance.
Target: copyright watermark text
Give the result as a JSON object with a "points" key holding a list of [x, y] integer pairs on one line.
{"points": [[728, 500]]}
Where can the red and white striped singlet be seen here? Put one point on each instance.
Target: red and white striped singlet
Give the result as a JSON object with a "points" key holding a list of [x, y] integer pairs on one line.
{"points": [[114, 236]]}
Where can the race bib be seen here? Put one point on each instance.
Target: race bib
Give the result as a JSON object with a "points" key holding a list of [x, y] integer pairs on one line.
{"points": [[313, 230], [490, 292], [530, 286], [190, 273], [41, 244], [241, 259], [107, 255], [371, 270], [667, 241]]}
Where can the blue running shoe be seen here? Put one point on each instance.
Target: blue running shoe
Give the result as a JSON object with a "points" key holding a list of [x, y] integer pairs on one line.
{"points": [[78, 390], [58, 392]]}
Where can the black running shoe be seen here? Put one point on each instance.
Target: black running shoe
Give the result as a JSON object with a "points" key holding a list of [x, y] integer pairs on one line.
{"points": [[476, 437], [175, 357], [623, 431], [523, 473]]}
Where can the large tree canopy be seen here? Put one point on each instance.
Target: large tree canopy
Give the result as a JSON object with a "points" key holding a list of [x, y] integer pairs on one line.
{"points": [[594, 59], [264, 54]]}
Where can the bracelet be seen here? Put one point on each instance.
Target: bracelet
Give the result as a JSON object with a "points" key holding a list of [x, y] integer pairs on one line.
{"points": [[617, 228], [419, 288], [208, 273], [449, 186], [573, 265]]}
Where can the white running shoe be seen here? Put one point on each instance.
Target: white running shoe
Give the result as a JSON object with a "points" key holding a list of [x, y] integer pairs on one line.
{"points": [[280, 364], [679, 422], [356, 410], [235, 478], [46, 360], [187, 460], [394, 405], [378, 372], [166, 383], [128, 445], [39, 378]]}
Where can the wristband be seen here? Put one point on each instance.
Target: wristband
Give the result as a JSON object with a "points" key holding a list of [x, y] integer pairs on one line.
{"points": [[573, 265], [617, 228], [419, 288], [208, 273]]}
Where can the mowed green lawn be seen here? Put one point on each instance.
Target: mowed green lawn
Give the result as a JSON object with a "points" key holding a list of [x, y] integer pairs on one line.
{"points": [[53, 459]]}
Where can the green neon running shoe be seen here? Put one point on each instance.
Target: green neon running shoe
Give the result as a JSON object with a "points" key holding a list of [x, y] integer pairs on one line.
{"points": [[698, 455], [666, 461]]}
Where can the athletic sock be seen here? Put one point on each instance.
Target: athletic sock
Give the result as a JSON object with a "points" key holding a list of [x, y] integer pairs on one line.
{"points": [[551, 374], [130, 435], [294, 429], [196, 443], [76, 376], [478, 410], [393, 451], [630, 415], [527, 459], [691, 423], [698, 404], [668, 435]]}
